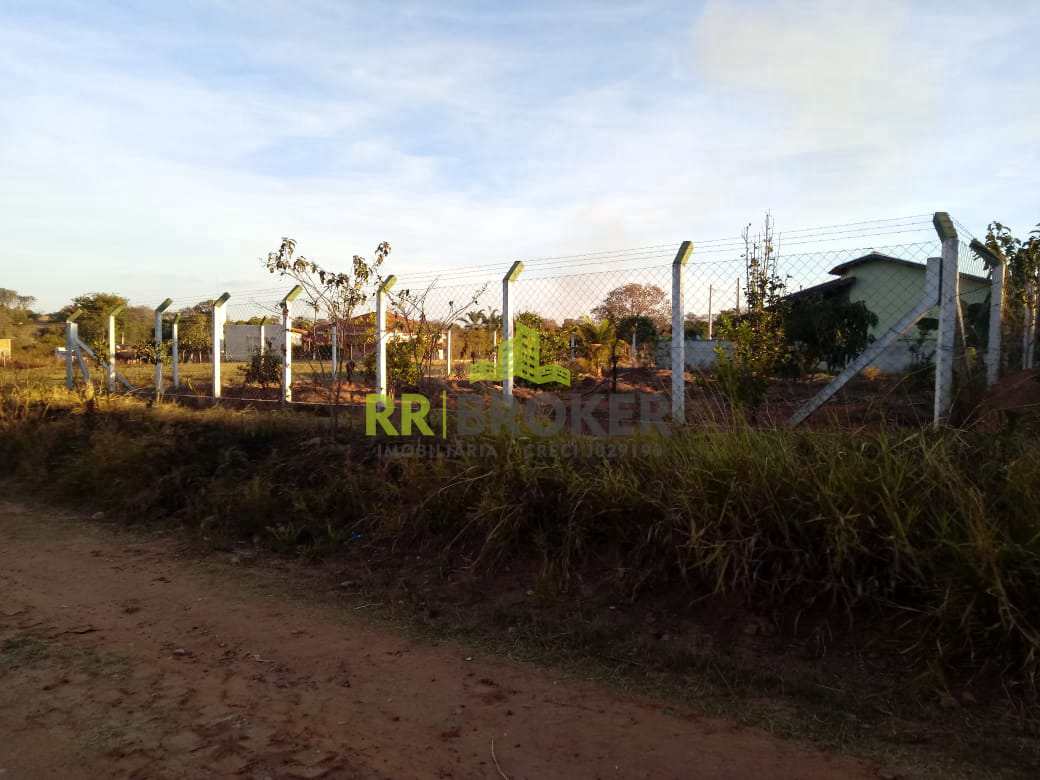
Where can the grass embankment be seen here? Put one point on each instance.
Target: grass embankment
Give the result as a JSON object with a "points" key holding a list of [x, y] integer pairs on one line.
{"points": [[939, 532]]}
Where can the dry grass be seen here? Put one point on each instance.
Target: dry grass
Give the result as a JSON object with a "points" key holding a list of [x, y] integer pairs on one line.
{"points": [[937, 533]]}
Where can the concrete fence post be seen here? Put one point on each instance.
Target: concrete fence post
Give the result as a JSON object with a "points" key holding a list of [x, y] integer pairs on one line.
{"points": [[711, 325], [111, 368], [291, 296], [507, 331], [162, 307], [219, 318], [447, 354], [175, 351], [381, 383], [949, 302], [997, 266], [262, 334], [334, 340], [678, 334]]}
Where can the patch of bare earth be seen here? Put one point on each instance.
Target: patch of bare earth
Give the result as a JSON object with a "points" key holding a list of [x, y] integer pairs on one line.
{"points": [[118, 659]]}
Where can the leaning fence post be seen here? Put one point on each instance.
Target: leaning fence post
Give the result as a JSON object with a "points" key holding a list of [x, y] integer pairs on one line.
{"points": [[678, 335], [290, 296], [507, 331], [219, 317], [175, 352], [995, 261], [162, 307], [71, 346], [381, 291], [111, 369], [948, 305]]}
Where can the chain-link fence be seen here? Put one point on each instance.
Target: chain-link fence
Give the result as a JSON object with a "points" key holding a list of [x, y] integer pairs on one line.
{"points": [[840, 323]]}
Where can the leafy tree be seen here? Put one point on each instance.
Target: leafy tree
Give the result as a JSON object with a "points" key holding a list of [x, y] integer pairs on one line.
{"points": [[602, 346], [135, 324], [634, 300], [829, 330], [19, 322], [695, 326], [1023, 272]]}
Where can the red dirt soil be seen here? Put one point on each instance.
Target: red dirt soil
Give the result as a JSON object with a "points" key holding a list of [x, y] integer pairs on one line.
{"points": [[120, 659]]}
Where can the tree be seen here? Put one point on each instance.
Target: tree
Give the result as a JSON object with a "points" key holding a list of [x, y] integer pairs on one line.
{"points": [[695, 326], [335, 295], [135, 324], [634, 300], [758, 347], [423, 334], [19, 323], [826, 329], [602, 345], [1023, 271]]}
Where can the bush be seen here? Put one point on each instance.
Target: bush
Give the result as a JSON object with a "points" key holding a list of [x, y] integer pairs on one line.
{"points": [[264, 368], [757, 353], [826, 330]]}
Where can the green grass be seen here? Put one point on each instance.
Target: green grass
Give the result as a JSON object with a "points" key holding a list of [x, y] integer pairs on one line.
{"points": [[934, 536]]}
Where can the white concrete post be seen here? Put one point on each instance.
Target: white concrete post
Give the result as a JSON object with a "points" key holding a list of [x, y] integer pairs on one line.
{"points": [[291, 296], [634, 362], [381, 291], [711, 325], [219, 318], [447, 365], [494, 347], [949, 301], [262, 333], [162, 307], [71, 346], [678, 336], [507, 331], [997, 267], [738, 295], [175, 351], [334, 338], [70, 379], [111, 369], [70, 339]]}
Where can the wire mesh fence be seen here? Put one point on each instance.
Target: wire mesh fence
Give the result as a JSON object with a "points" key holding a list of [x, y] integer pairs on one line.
{"points": [[850, 307]]}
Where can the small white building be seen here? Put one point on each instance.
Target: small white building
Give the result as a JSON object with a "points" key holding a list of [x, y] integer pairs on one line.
{"points": [[242, 341]]}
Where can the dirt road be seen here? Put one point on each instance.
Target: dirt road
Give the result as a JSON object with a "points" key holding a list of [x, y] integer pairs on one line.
{"points": [[119, 658]]}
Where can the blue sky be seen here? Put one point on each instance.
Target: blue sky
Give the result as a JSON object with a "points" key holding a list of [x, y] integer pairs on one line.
{"points": [[160, 148]]}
